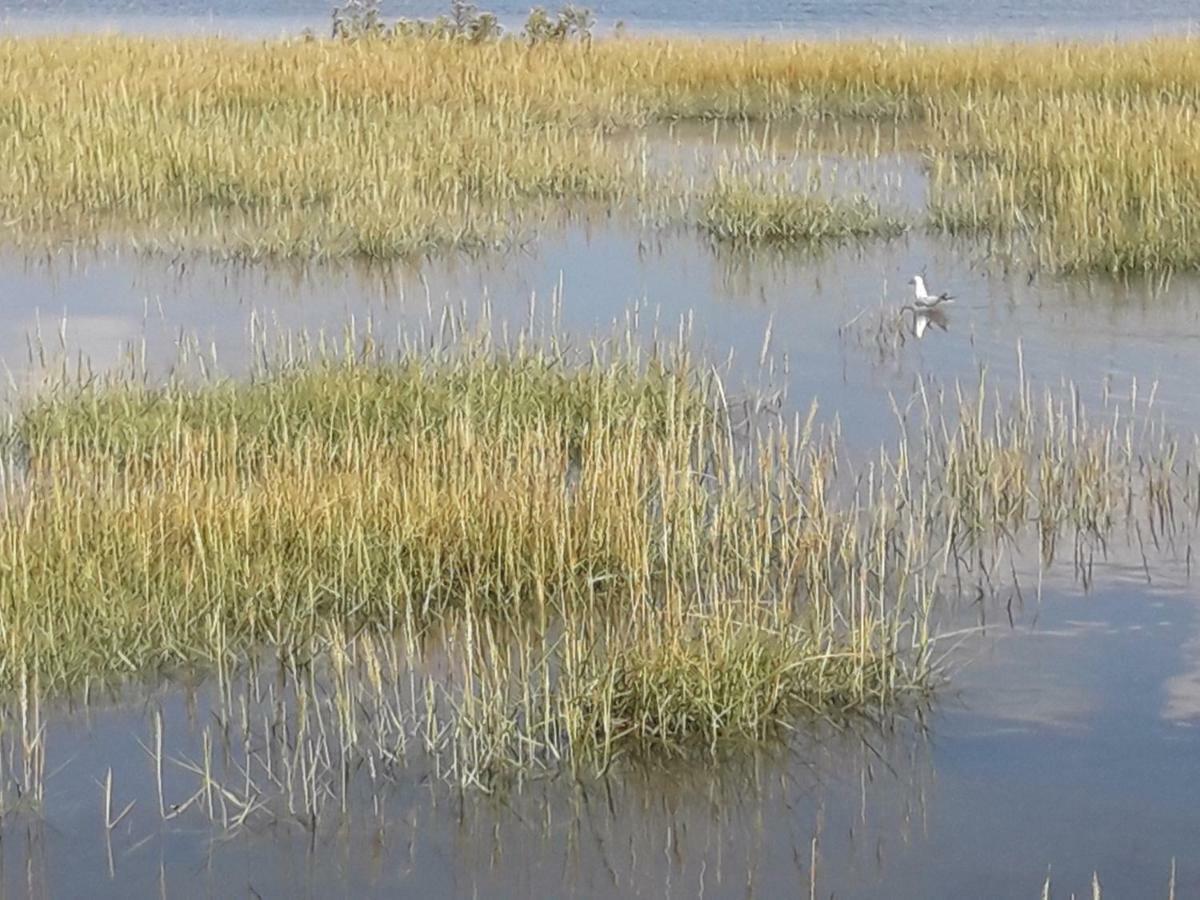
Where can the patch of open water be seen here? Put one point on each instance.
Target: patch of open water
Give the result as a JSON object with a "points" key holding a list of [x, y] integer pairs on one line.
{"points": [[1062, 745], [1091, 331], [820, 18]]}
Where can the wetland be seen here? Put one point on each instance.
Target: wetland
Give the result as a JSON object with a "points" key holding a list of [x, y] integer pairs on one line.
{"points": [[492, 464]]}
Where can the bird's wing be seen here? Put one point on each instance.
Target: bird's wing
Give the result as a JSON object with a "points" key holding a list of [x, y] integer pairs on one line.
{"points": [[920, 323], [939, 318]]}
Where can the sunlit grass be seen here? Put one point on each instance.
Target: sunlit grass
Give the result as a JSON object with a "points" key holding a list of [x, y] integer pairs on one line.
{"points": [[526, 554], [1095, 181], [755, 209], [600, 553], [492, 560], [379, 148]]}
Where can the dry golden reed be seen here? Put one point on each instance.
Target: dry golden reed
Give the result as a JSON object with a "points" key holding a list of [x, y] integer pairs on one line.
{"points": [[587, 538], [381, 147], [520, 554]]}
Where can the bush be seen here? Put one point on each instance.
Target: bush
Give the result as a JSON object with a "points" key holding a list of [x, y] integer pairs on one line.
{"points": [[571, 22], [360, 19]]}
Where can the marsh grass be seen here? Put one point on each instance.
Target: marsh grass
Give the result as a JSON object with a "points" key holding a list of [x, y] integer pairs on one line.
{"points": [[602, 550], [321, 156], [758, 209], [385, 146], [1094, 182], [511, 556]]}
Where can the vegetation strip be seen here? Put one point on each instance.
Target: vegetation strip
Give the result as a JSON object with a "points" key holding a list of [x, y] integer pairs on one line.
{"points": [[527, 553], [383, 143]]}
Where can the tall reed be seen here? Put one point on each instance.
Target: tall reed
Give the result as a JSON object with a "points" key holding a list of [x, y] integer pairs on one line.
{"points": [[381, 147], [559, 553], [601, 551]]}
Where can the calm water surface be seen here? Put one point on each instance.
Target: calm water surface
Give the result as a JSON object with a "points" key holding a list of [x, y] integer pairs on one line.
{"points": [[918, 18], [1068, 738], [1069, 742]]}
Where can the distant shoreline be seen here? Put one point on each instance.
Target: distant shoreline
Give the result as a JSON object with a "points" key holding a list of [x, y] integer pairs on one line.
{"points": [[282, 26]]}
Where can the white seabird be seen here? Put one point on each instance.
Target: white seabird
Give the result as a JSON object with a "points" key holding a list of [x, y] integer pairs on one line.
{"points": [[927, 308], [924, 299]]}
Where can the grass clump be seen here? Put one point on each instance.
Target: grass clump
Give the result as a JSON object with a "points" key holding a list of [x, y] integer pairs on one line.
{"points": [[597, 554], [513, 557], [330, 403], [1097, 182], [720, 679], [761, 210], [323, 149]]}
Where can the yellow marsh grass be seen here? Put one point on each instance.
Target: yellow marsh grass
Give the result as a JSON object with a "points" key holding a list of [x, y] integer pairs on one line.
{"points": [[606, 557], [310, 148], [757, 208], [558, 554], [1097, 181]]}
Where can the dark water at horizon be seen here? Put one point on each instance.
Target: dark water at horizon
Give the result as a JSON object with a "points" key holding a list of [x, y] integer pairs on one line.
{"points": [[912, 18]]}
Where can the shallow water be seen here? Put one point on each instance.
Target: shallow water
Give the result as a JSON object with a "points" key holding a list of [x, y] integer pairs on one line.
{"points": [[1068, 743], [1131, 336], [1067, 738], [915, 18]]}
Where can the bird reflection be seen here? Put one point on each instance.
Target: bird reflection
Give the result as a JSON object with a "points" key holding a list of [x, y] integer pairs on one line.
{"points": [[923, 317]]}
